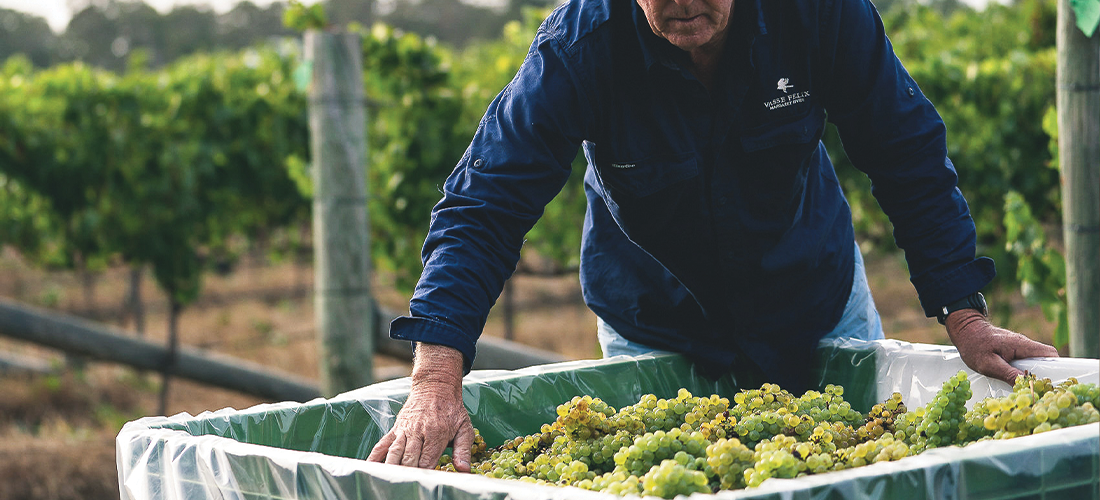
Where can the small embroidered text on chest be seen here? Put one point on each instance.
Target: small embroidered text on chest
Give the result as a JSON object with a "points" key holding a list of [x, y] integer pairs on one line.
{"points": [[787, 100]]}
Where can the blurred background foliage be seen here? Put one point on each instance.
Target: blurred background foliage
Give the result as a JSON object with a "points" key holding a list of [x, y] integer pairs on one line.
{"points": [[177, 139]]}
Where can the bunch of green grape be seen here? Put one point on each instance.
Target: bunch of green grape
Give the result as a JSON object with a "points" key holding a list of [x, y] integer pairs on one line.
{"points": [[882, 418], [1034, 406], [653, 448], [727, 460], [940, 420], [688, 444]]}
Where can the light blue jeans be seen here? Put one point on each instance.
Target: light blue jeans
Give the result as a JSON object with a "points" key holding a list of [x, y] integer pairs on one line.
{"points": [[860, 320]]}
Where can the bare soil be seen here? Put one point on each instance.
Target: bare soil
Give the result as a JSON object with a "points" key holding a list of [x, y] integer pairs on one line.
{"points": [[57, 431]]}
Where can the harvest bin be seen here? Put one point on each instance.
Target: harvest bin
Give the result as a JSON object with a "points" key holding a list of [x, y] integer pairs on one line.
{"points": [[314, 450]]}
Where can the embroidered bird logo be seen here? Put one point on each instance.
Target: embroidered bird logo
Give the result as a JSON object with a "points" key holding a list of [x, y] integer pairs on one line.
{"points": [[783, 85]]}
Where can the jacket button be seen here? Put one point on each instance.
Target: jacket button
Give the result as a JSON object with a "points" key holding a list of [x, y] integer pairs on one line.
{"points": [[477, 163], [911, 92]]}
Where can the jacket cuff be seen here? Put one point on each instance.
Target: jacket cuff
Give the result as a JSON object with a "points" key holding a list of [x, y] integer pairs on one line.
{"points": [[955, 284], [434, 332]]}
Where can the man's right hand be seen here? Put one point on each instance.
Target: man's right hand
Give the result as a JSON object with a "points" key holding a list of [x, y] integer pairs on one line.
{"points": [[432, 416]]}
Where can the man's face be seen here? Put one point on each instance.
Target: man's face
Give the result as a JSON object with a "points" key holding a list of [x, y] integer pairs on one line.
{"points": [[689, 24]]}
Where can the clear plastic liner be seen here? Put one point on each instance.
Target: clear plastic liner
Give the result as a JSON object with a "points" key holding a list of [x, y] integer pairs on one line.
{"points": [[315, 450], [918, 370]]}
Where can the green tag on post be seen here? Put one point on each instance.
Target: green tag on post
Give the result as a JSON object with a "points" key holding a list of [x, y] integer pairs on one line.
{"points": [[302, 75], [1088, 15]]}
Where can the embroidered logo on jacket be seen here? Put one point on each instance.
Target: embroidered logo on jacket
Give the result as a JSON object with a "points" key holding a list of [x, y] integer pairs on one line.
{"points": [[783, 85], [787, 100]]}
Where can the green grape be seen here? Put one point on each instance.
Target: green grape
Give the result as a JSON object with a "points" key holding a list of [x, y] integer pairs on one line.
{"points": [[1035, 405], [616, 483], [1085, 393], [940, 424], [446, 463], [720, 427], [881, 419], [687, 444], [1033, 384], [477, 453], [671, 478], [728, 459], [978, 423], [768, 398], [772, 461], [585, 417]]}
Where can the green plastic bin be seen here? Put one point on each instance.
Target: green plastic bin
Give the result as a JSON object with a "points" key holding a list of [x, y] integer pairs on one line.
{"points": [[315, 450]]}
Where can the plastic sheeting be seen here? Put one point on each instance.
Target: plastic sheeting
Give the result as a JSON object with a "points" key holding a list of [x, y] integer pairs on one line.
{"points": [[918, 370], [315, 450]]}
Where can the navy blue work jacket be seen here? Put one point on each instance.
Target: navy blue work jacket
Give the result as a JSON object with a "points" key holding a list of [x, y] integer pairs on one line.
{"points": [[715, 226]]}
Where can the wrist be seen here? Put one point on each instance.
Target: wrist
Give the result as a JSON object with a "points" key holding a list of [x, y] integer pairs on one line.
{"points": [[437, 367], [962, 322], [973, 302]]}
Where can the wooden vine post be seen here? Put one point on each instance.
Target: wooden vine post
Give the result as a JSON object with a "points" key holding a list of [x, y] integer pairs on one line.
{"points": [[342, 295], [1078, 80]]}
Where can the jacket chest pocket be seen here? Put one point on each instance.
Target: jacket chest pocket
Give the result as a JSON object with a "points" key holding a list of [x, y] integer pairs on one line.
{"points": [[776, 152], [646, 177], [773, 170], [646, 197], [804, 130]]}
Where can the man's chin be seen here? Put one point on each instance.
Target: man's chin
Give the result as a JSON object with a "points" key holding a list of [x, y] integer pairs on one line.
{"points": [[686, 43], [688, 36]]}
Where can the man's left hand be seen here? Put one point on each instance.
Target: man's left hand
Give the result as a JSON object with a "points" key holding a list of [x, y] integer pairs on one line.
{"points": [[987, 349]]}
